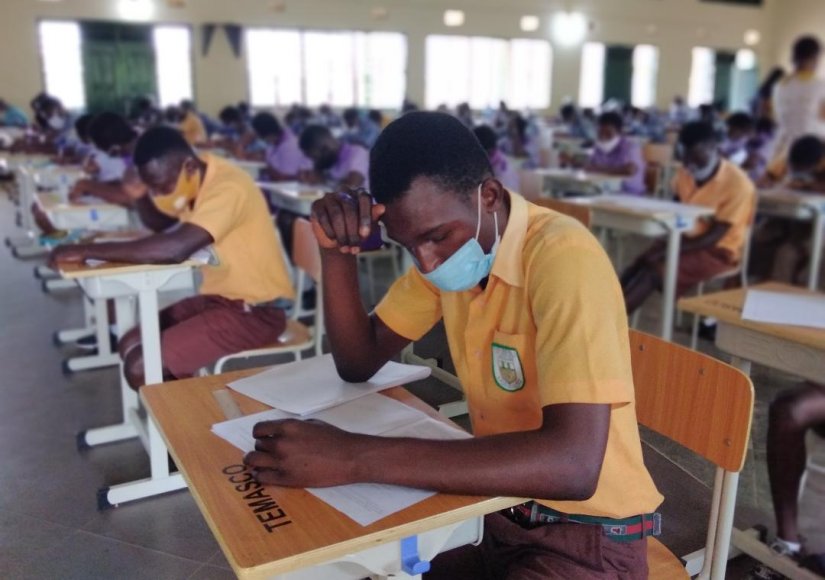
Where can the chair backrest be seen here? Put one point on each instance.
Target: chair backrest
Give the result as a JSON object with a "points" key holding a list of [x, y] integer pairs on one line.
{"points": [[529, 184], [693, 399], [658, 153], [574, 210], [306, 254]]}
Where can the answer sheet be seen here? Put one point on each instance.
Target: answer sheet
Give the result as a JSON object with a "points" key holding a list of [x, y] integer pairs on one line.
{"points": [[784, 308]]}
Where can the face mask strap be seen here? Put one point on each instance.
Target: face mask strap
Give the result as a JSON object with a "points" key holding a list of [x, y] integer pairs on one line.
{"points": [[478, 222]]}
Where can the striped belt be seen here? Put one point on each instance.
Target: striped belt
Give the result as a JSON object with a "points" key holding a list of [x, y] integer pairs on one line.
{"points": [[532, 515]]}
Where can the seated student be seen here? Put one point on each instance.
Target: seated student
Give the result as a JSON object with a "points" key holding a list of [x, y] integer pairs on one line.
{"points": [[11, 116], [781, 247], [518, 143], [284, 158], [239, 139], [617, 154], [217, 206], [791, 416], [360, 130], [760, 149], [188, 123], [328, 118], [337, 162], [538, 334], [577, 124], [502, 168], [465, 114], [114, 140], [145, 114], [209, 124], [734, 147], [716, 245]]}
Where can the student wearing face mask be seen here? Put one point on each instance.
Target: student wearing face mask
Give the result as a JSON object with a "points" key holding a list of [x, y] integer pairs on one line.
{"points": [[617, 154], [335, 162], [537, 331], [716, 245], [216, 206]]}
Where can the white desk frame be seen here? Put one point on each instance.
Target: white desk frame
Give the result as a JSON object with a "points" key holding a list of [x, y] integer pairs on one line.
{"points": [[650, 218], [555, 181], [292, 196], [802, 206], [122, 286]]}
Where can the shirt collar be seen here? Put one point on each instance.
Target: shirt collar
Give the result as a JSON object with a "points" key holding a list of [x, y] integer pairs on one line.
{"points": [[508, 263]]}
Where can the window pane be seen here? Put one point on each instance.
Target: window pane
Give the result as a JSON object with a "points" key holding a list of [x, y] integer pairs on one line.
{"points": [[329, 68], [645, 73], [63, 62], [448, 70], [381, 69], [702, 74], [530, 74], [173, 55], [488, 72], [274, 65], [591, 83]]}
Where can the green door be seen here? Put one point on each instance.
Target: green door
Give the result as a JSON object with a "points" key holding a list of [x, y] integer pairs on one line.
{"points": [[618, 73], [723, 87]]}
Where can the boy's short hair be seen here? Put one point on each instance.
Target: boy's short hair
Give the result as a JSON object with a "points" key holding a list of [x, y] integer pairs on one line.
{"points": [[426, 144], [697, 133], [765, 125], [81, 125], [486, 136], [350, 115], [109, 130], [612, 119], [806, 48], [266, 125], [741, 121], [158, 142], [806, 153], [230, 115], [312, 136]]}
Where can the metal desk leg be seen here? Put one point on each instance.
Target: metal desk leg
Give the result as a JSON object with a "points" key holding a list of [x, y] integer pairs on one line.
{"points": [[104, 357], [674, 240], [816, 249]]}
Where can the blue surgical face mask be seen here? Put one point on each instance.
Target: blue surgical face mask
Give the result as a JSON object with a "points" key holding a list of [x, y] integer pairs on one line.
{"points": [[701, 174], [469, 265]]}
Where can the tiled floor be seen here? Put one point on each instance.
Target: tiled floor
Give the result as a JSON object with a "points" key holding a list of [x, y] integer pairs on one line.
{"points": [[49, 523]]}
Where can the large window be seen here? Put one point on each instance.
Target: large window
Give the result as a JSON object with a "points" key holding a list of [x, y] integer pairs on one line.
{"points": [[60, 47], [483, 71], [622, 73], [702, 76], [173, 55], [340, 68]]}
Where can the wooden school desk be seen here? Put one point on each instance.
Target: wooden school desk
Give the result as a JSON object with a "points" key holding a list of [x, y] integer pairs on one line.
{"points": [[90, 214], [292, 195], [802, 206], [253, 168], [122, 282], [289, 533], [556, 182], [650, 218], [792, 349]]}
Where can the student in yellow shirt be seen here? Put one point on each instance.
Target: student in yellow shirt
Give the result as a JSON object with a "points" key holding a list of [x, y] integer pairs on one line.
{"points": [[216, 205], [189, 123], [715, 246], [537, 330]]}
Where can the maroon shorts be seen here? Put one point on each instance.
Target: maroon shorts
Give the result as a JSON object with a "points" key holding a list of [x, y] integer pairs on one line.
{"points": [[197, 331], [699, 266], [552, 551]]}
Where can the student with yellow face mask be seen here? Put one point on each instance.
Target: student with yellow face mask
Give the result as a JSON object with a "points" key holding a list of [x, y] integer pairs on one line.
{"points": [[195, 202]]}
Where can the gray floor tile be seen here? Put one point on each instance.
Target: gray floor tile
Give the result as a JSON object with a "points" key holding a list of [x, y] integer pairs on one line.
{"points": [[207, 572], [23, 538]]}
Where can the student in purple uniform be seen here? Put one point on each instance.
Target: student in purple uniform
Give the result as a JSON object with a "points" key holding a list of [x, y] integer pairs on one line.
{"points": [[504, 170], [342, 164], [617, 154], [284, 159]]}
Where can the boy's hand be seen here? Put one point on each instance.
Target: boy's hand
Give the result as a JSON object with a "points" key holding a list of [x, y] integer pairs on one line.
{"points": [[343, 220], [133, 186], [70, 254]]}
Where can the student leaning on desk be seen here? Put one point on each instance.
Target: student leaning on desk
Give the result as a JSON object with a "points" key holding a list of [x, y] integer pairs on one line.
{"points": [[207, 202], [537, 330]]}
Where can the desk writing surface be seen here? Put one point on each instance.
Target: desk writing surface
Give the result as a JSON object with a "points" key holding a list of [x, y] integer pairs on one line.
{"points": [[53, 202], [727, 307], [74, 271], [643, 206], [292, 529], [792, 196]]}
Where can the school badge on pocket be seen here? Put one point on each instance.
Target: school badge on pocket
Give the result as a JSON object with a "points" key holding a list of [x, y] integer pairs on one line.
{"points": [[507, 369]]}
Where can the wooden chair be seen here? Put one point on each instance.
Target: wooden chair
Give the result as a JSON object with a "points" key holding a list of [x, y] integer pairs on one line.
{"points": [[574, 210], [706, 406], [659, 160], [297, 337]]}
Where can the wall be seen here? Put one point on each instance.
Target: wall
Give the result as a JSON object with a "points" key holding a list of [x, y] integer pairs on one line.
{"points": [[674, 25], [794, 19]]}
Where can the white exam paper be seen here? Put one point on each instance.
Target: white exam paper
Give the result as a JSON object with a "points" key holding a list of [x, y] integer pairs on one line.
{"points": [[372, 414], [312, 385], [784, 308]]}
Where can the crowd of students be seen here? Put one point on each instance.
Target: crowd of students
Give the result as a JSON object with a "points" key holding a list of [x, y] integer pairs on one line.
{"points": [[517, 286]]}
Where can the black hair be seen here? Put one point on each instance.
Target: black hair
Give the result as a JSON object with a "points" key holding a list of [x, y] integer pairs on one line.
{"points": [[612, 119], [109, 129], [81, 126], [350, 114], [376, 116], [486, 136], [266, 125], [426, 144], [158, 142], [313, 135], [766, 89], [765, 125], [229, 115], [520, 124], [741, 121], [806, 48], [697, 133], [806, 153], [568, 110]]}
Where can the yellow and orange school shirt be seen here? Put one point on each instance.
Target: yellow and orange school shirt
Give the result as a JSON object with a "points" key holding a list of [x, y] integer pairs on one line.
{"points": [[549, 328]]}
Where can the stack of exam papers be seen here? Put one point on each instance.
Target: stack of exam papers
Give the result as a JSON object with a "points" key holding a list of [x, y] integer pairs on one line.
{"points": [[784, 308], [311, 389]]}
